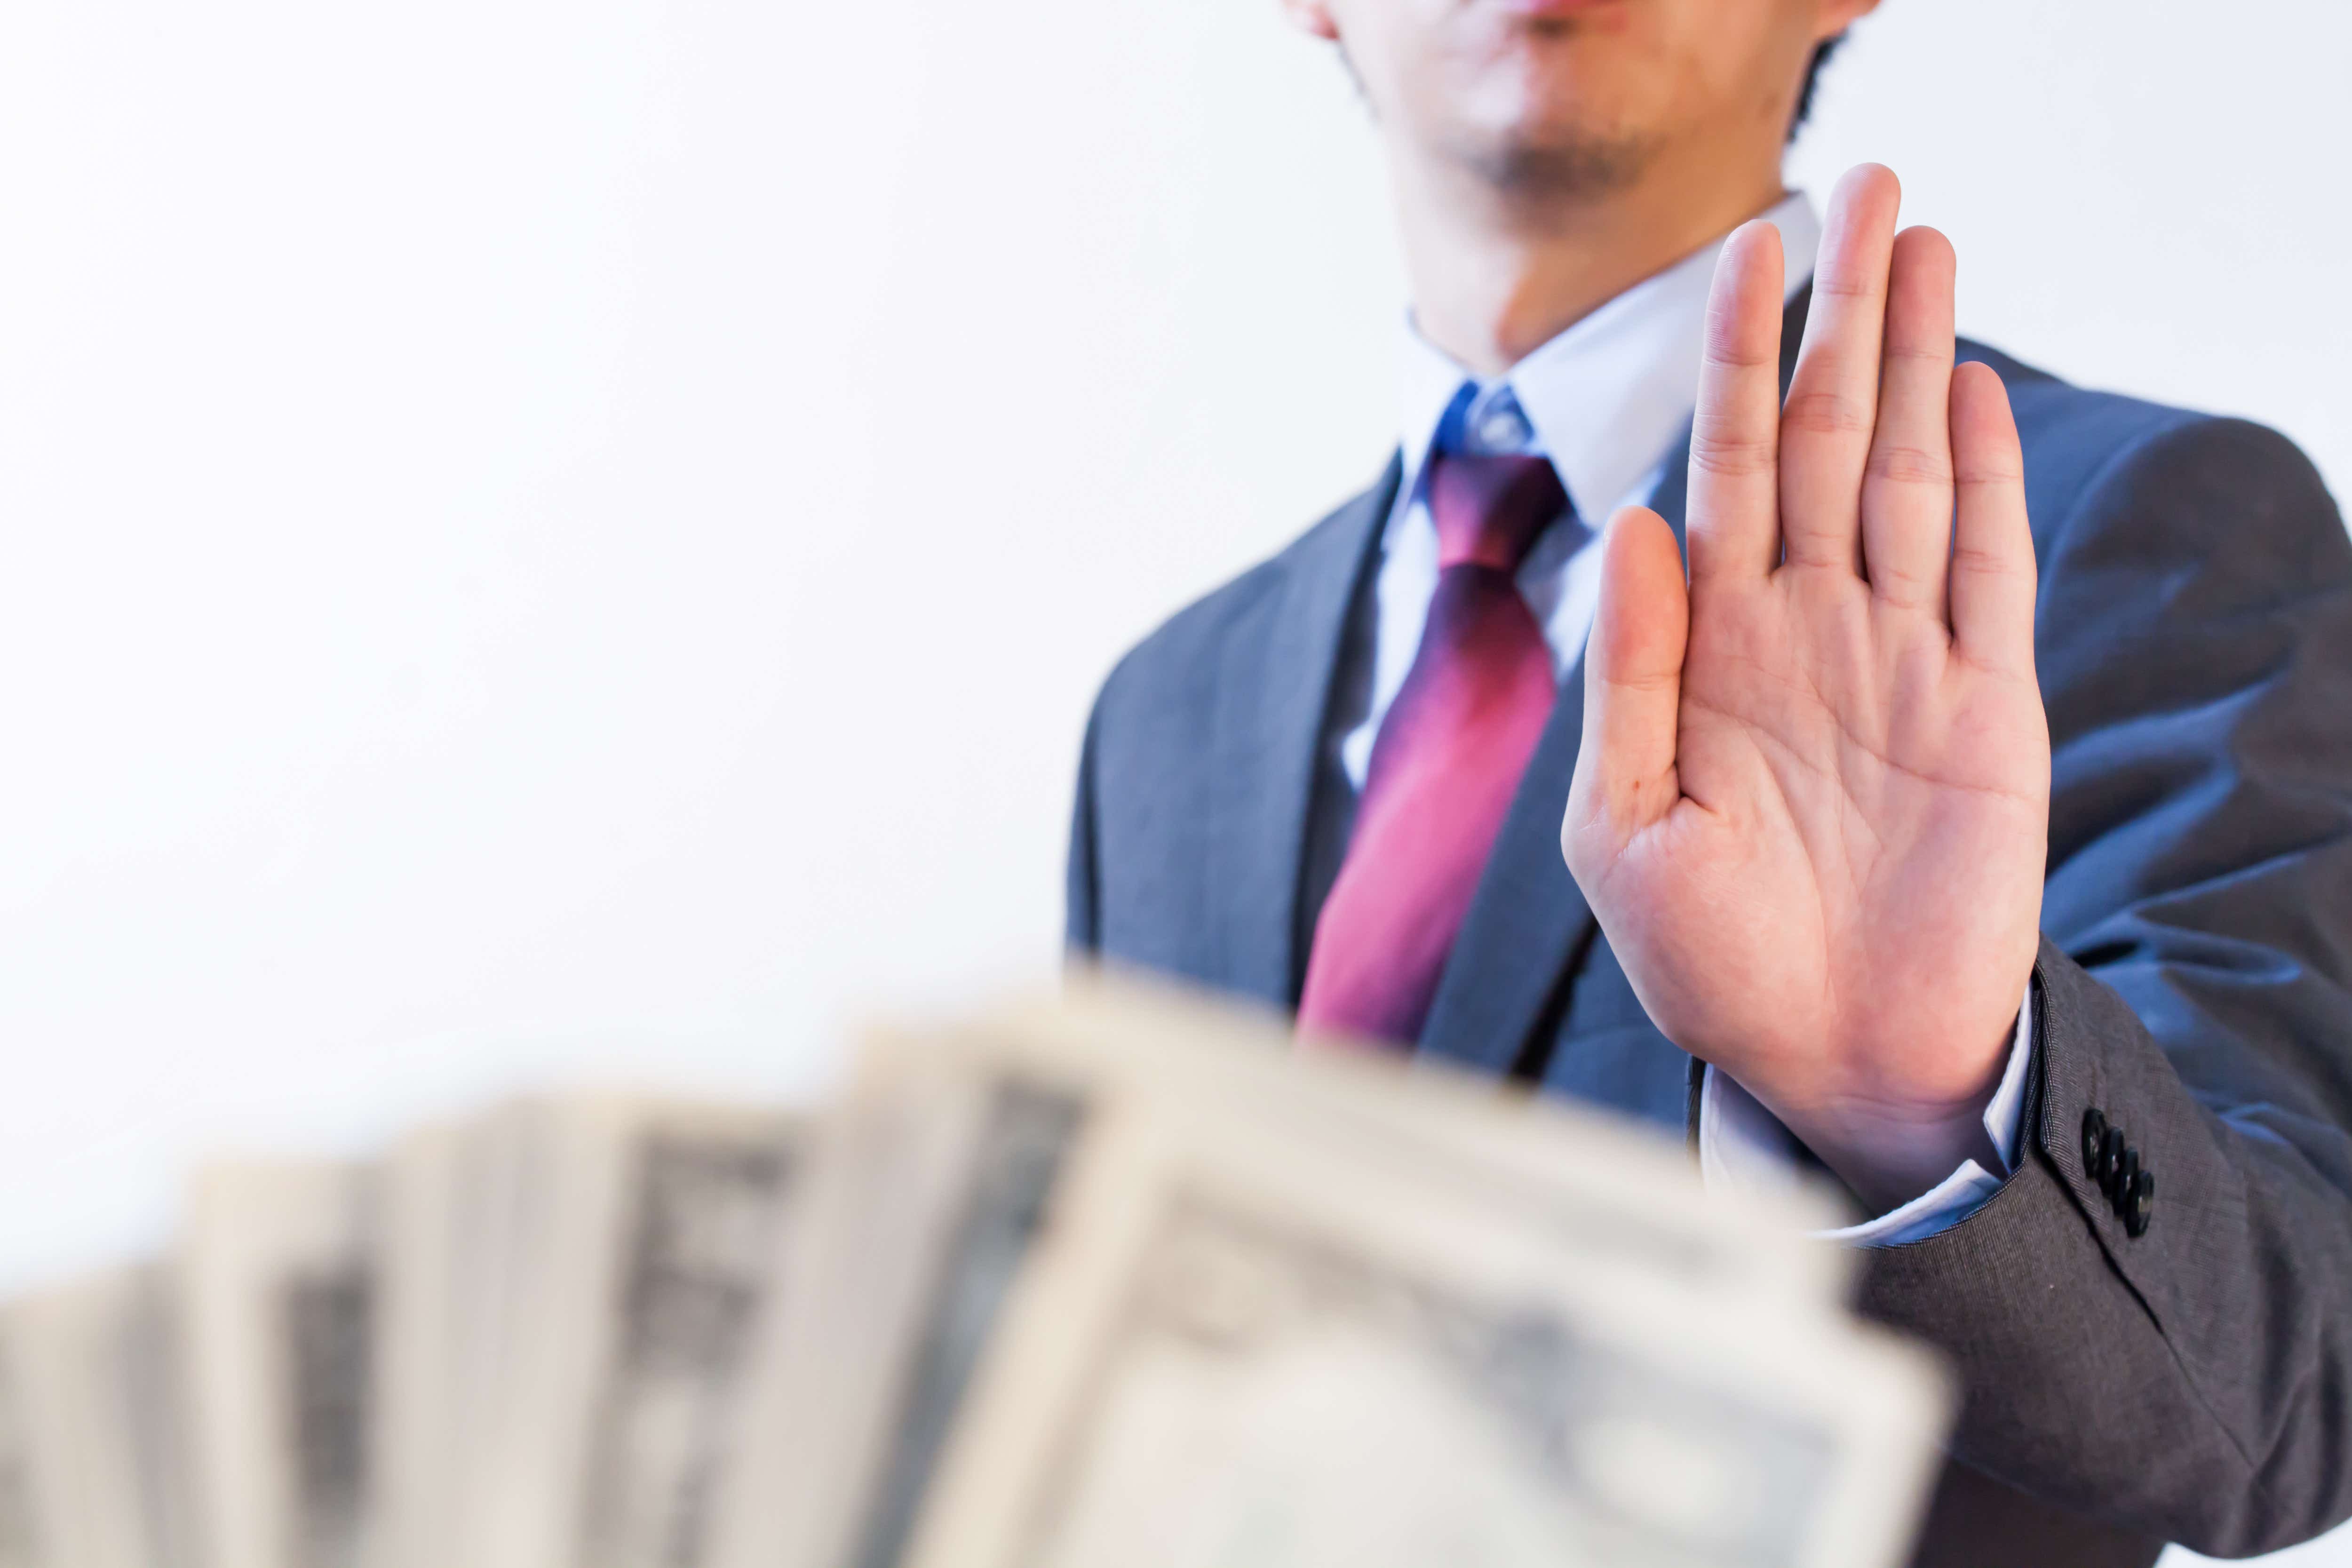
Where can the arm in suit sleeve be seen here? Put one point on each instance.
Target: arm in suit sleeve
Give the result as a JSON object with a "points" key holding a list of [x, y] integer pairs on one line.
{"points": [[2195, 986], [1080, 926]]}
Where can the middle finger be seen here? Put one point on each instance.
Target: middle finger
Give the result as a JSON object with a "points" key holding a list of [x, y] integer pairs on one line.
{"points": [[1826, 425]]}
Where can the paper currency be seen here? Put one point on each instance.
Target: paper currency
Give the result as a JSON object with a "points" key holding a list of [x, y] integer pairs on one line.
{"points": [[445, 1219], [91, 1454], [926, 1244], [22, 1534], [276, 1310], [1228, 1347], [1605, 1186], [1117, 1276], [640, 1247], [930, 1183]]}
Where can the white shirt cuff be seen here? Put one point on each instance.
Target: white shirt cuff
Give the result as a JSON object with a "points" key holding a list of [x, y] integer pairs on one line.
{"points": [[1741, 1146]]}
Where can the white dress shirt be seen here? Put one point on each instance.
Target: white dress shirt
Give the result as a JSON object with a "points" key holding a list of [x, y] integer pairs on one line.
{"points": [[1608, 401]]}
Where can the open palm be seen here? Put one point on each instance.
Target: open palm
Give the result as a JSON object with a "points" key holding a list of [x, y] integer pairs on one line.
{"points": [[1811, 807]]}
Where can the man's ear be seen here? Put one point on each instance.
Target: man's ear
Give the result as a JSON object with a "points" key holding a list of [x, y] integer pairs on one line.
{"points": [[1311, 17]]}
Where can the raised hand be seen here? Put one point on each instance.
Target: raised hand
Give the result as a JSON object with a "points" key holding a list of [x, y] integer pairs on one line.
{"points": [[1812, 804]]}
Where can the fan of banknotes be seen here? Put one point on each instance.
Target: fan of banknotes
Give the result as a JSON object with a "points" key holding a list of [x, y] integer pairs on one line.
{"points": [[1107, 1280]]}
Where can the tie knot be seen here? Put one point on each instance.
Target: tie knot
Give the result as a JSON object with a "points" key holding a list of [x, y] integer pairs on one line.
{"points": [[1488, 509]]}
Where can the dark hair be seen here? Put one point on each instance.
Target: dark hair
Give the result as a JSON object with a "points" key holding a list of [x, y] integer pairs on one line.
{"points": [[1822, 53]]}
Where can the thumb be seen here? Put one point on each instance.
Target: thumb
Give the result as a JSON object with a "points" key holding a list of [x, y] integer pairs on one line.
{"points": [[1625, 776]]}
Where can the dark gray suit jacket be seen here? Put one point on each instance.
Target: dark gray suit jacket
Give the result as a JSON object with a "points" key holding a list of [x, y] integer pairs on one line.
{"points": [[2192, 1383]]}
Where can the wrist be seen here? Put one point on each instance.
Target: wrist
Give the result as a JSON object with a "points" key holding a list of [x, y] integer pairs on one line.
{"points": [[1887, 1157], [1889, 1144]]}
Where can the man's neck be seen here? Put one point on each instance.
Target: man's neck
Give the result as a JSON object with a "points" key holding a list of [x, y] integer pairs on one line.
{"points": [[1496, 274]]}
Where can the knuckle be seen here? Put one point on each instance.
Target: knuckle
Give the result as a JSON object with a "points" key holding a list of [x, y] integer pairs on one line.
{"points": [[1901, 584], [1982, 561], [1725, 347], [1841, 283], [1826, 414], [1903, 464], [1731, 456], [1646, 682], [1934, 357]]}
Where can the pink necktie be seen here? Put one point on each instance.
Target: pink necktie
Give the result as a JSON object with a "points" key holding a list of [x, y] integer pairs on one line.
{"points": [[1447, 760]]}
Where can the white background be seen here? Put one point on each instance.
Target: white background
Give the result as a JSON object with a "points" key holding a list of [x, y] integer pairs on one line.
{"points": [[578, 537]]}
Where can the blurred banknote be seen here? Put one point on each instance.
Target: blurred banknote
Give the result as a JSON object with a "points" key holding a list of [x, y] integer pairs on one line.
{"points": [[92, 1461], [1229, 1344], [574, 1281], [952, 1143], [1115, 1276], [275, 1305]]}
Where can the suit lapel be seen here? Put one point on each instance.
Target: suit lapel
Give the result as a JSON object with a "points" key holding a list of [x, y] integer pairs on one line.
{"points": [[1529, 919], [1273, 691]]}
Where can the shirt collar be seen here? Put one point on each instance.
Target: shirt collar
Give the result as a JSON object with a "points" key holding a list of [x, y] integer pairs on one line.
{"points": [[1610, 395]]}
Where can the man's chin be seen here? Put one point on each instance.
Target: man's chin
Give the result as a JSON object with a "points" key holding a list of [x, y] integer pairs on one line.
{"points": [[1561, 161], [1564, 103]]}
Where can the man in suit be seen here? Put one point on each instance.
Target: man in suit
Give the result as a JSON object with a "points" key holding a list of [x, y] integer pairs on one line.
{"points": [[1953, 767]]}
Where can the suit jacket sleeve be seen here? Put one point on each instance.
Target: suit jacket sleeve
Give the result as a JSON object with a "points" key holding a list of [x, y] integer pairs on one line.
{"points": [[2195, 986], [1081, 901]]}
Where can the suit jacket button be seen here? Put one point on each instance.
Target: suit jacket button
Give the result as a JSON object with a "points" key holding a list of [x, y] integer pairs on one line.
{"points": [[2094, 1134], [2111, 1155], [2139, 1203], [2119, 1184]]}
